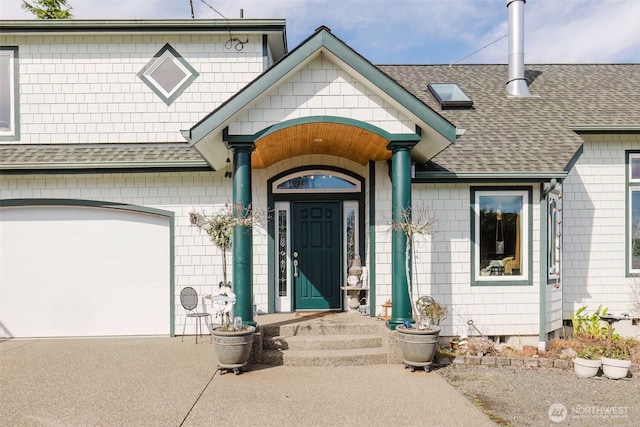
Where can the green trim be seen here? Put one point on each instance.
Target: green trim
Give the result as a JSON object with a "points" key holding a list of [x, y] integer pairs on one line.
{"points": [[76, 167], [180, 89], [412, 137], [574, 159], [401, 310], [372, 239], [605, 128], [16, 94], [242, 246], [424, 177], [321, 41], [409, 138], [527, 281], [628, 214], [113, 205], [544, 264], [162, 26]]}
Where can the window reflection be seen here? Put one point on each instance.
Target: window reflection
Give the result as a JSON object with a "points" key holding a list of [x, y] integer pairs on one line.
{"points": [[316, 182], [500, 235]]}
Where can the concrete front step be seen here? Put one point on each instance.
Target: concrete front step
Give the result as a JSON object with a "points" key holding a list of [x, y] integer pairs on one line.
{"points": [[347, 357], [325, 340], [322, 342], [322, 328]]}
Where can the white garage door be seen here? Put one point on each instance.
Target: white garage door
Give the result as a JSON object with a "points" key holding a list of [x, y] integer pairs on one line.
{"points": [[83, 271]]}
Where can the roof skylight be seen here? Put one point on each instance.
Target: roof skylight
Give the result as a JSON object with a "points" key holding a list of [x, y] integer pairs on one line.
{"points": [[449, 95]]}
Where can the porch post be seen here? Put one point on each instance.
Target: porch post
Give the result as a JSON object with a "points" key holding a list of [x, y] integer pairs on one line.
{"points": [[242, 245], [400, 202]]}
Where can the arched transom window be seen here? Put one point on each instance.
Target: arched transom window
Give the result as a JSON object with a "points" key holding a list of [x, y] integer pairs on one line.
{"points": [[316, 180]]}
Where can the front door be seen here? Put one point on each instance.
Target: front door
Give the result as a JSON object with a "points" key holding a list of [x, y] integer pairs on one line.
{"points": [[317, 255]]}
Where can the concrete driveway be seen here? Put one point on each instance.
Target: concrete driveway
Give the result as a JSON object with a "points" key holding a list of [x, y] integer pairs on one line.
{"points": [[161, 381]]}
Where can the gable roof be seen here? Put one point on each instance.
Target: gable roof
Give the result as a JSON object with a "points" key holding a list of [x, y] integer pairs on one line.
{"points": [[206, 135], [533, 135]]}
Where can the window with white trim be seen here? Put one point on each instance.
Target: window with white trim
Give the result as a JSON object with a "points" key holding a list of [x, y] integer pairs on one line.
{"points": [[500, 235], [633, 213], [9, 93]]}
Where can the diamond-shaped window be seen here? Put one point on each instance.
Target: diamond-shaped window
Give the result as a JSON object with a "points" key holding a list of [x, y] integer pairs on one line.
{"points": [[168, 74]]}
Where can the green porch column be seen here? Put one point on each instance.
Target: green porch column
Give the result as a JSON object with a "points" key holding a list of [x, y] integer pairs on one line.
{"points": [[400, 202], [242, 245]]}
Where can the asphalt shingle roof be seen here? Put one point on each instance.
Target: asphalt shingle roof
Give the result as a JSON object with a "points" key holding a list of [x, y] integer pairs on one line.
{"points": [[506, 134], [503, 134], [72, 156]]}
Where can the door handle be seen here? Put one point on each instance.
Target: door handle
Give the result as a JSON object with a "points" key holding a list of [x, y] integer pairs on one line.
{"points": [[295, 268]]}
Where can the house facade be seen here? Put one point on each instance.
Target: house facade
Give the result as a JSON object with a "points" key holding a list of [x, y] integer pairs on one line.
{"points": [[116, 130]]}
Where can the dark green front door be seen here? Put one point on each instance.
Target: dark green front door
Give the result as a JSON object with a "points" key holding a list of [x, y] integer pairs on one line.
{"points": [[317, 255]]}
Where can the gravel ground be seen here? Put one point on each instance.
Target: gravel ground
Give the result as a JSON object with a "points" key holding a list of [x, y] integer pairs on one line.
{"points": [[547, 397]]}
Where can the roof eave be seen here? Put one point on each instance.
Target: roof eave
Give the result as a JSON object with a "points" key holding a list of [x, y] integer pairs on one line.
{"points": [[426, 176], [28, 26], [275, 29], [605, 128]]}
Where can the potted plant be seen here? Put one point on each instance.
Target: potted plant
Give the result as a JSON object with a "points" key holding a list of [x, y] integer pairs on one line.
{"points": [[616, 361], [418, 343], [587, 362], [232, 341]]}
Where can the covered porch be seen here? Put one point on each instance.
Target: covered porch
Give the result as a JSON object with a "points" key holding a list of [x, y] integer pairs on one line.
{"points": [[323, 100]]}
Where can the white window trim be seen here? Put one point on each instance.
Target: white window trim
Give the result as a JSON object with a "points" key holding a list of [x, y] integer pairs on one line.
{"points": [[524, 265], [283, 304]]}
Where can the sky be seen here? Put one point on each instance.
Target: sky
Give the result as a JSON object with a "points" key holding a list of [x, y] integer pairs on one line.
{"points": [[415, 31]]}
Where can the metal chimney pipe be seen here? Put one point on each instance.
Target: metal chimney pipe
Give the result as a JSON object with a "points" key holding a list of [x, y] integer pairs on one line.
{"points": [[516, 85]]}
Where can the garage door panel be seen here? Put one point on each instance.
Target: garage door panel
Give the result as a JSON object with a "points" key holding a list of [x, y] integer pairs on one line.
{"points": [[77, 271]]}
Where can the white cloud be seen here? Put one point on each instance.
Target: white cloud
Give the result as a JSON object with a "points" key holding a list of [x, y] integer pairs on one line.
{"points": [[415, 31]]}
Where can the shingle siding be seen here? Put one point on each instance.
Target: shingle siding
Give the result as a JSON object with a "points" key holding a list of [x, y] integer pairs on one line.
{"points": [[594, 241], [84, 88]]}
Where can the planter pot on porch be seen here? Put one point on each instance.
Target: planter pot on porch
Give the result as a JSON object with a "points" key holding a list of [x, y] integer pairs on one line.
{"points": [[586, 368], [615, 368], [233, 348], [418, 346]]}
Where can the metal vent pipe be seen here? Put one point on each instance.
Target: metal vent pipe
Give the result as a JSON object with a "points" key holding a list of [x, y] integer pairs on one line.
{"points": [[516, 85]]}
